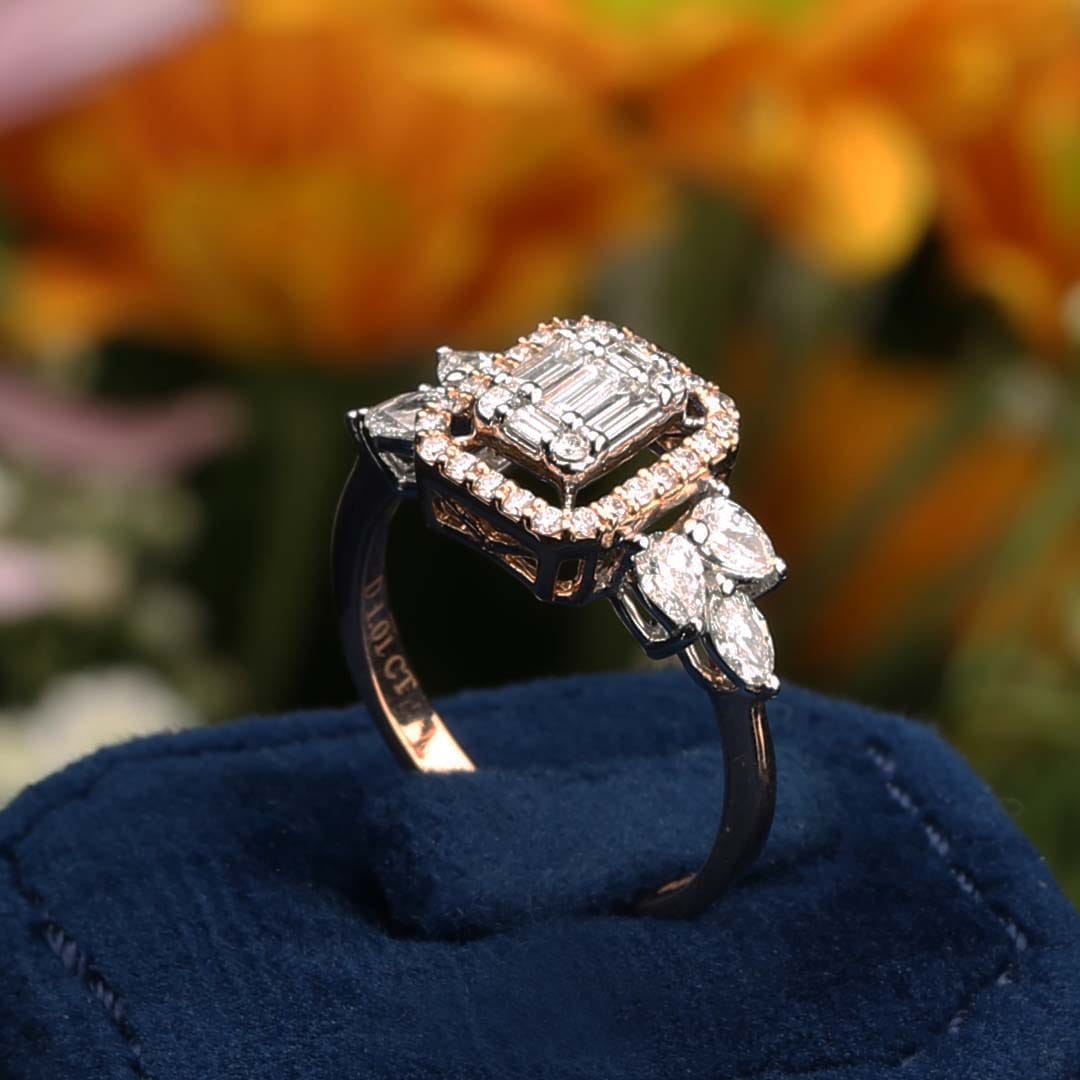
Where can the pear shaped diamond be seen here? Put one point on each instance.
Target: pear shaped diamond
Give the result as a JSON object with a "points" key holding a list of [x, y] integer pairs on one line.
{"points": [[733, 540], [395, 418], [741, 638], [671, 575]]}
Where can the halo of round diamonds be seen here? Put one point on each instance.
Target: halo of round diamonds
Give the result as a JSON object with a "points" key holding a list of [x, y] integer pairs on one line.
{"points": [[639, 490], [612, 509], [514, 499], [431, 448], [487, 482], [584, 522], [685, 462], [545, 519], [459, 466]]}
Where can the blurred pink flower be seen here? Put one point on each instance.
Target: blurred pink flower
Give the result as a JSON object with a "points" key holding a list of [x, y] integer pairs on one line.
{"points": [[84, 438], [49, 48], [79, 577]]}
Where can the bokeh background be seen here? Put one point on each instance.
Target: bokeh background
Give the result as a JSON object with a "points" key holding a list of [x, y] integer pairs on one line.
{"points": [[224, 222]]}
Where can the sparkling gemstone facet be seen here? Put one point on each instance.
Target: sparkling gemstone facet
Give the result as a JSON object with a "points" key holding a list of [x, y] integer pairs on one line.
{"points": [[515, 500], [455, 365], [490, 400], [734, 540], [613, 509], [584, 522], [486, 484], [545, 519], [432, 447], [396, 417], [569, 447], [430, 420], [665, 477], [685, 462], [457, 468], [638, 490], [671, 574], [706, 444], [615, 386], [741, 638]]}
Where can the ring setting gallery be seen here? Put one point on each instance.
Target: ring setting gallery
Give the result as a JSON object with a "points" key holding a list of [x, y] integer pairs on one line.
{"points": [[509, 453]]}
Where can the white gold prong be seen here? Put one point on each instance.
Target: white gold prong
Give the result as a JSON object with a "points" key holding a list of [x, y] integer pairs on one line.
{"points": [[772, 684], [726, 585], [641, 542], [698, 531], [781, 567]]}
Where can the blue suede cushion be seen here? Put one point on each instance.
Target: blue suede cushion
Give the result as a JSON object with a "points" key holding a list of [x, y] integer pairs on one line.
{"points": [[277, 899]]}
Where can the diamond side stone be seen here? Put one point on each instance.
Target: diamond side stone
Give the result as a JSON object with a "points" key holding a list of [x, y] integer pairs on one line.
{"points": [[741, 638], [671, 574], [734, 540]]}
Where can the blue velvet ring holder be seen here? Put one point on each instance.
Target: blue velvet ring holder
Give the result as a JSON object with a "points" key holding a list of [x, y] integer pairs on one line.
{"points": [[277, 899]]}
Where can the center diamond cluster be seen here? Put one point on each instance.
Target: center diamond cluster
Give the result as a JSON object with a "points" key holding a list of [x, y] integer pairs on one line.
{"points": [[569, 403], [579, 397], [702, 580]]}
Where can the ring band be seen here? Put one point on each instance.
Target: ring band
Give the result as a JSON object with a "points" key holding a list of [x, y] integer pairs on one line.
{"points": [[559, 412]]}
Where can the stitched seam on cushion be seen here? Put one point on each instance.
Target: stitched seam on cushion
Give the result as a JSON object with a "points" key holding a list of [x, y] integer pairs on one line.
{"points": [[1019, 938], [72, 956], [940, 844], [885, 763], [77, 962]]}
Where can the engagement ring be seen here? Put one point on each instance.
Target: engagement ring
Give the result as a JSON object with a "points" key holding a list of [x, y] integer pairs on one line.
{"points": [[527, 457]]}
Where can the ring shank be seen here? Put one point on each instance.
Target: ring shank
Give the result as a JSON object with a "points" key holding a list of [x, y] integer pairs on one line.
{"points": [[380, 668], [421, 740]]}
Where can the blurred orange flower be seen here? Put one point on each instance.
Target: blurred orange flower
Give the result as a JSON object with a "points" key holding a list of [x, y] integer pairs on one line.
{"points": [[930, 534], [340, 178], [325, 179], [1011, 205], [850, 125]]}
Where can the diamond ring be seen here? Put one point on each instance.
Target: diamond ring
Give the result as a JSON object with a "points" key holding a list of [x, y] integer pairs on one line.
{"points": [[523, 456]]}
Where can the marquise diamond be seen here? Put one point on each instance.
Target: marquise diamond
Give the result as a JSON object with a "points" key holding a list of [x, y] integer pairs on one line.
{"points": [[734, 540], [741, 638], [671, 574]]}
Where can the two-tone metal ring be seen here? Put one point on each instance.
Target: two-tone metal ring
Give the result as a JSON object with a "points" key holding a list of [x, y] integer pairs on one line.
{"points": [[502, 452]]}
